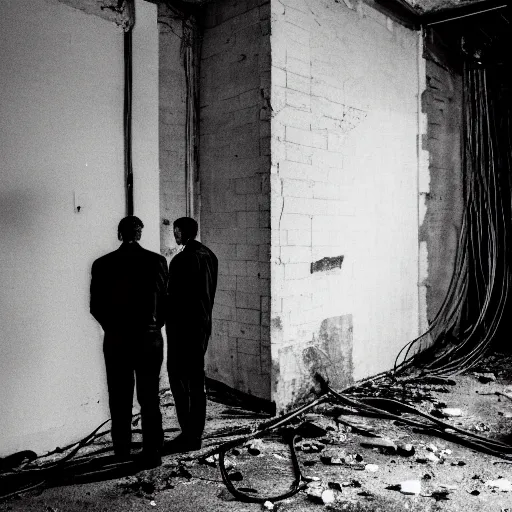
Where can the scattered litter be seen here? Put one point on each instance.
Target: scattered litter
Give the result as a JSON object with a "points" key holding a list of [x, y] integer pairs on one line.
{"points": [[333, 457], [280, 457], [406, 450], [429, 457], [482, 427], [384, 445], [484, 378], [254, 446], [502, 484], [449, 412], [152, 503], [268, 505], [410, 487], [311, 478], [328, 497], [336, 485], [371, 467], [315, 494], [311, 429], [431, 448]]}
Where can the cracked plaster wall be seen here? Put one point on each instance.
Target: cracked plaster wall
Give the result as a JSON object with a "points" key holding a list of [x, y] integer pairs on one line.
{"points": [[344, 181], [172, 127], [234, 171], [442, 186], [61, 79]]}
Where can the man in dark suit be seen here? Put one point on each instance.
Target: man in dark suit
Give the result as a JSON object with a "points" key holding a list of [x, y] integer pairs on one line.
{"points": [[191, 293], [128, 288]]}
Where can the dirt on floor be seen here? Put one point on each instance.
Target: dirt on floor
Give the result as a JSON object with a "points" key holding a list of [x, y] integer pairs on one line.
{"points": [[348, 461]]}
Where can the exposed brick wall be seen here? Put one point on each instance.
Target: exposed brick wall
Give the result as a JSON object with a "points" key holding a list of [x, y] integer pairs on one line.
{"points": [[172, 121], [344, 183], [234, 172]]}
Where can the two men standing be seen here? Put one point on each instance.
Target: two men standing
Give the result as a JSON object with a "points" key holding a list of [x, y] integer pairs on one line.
{"points": [[132, 295]]}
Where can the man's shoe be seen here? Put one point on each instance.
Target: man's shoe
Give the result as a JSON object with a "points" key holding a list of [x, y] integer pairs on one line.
{"points": [[182, 444], [148, 460]]}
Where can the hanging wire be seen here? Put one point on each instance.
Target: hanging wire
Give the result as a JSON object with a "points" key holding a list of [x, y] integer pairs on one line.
{"points": [[473, 310]]}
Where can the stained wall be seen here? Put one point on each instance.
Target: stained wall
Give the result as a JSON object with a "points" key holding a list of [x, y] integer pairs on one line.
{"points": [[61, 139], [344, 180]]}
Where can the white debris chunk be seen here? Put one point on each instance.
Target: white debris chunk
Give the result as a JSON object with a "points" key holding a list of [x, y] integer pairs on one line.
{"points": [[410, 487], [431, 457], [371, 467], [432, 448], [328, 496], [451, 412], [502, 484], [268, 505]]}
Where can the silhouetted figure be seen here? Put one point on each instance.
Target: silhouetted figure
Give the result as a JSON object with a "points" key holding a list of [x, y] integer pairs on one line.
{"points": [[128, 290], [191, 293]]}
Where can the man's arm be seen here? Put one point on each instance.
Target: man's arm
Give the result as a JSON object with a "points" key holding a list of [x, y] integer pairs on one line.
{"points": [[161, 291], [96, 305]]}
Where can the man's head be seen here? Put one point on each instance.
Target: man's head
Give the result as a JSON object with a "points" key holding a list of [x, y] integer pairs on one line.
{"points": [[130, 229], [185, 229]]}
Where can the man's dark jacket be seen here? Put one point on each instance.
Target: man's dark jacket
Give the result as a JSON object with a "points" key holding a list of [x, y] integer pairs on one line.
{"points": [[192, 285], [128, 290]]}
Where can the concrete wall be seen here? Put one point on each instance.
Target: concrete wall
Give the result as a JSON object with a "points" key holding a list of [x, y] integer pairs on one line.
{"points": [[235, 196], [344, 183], [172, 121], [61, 82], [442, 185]]}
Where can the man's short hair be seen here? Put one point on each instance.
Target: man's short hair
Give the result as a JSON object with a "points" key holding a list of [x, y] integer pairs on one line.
{"points": [[187, 226], [130, 229]]}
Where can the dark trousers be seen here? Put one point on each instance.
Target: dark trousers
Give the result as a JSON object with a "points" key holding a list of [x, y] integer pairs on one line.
{"points": [[130, 358], [185, 366]]}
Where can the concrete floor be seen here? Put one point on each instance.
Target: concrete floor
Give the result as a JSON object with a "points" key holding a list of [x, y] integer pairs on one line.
{"points": [[457, 482]]}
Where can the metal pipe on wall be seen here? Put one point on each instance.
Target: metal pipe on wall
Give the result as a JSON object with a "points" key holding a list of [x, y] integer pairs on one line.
{"points": [[127, 121]]}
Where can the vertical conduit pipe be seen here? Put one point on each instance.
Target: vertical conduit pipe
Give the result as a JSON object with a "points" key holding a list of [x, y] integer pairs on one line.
{"points": [[127, 122]]}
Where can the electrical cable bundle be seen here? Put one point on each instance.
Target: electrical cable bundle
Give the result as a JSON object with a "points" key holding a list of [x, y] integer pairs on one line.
{"points": [[477, 298]]}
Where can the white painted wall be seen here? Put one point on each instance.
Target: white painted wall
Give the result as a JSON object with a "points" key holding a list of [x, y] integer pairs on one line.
{"points": [[61, 84], [344, 182]]}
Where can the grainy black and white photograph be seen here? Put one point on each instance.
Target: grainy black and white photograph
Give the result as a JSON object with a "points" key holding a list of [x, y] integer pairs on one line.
{"points": [[255, 255]]}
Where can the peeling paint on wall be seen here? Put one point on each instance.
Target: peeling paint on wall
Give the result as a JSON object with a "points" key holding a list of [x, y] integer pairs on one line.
{"points": [[120, 12], [329, 353]]}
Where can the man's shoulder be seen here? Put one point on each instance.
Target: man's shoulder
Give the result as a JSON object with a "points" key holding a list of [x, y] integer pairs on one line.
{"points": [[153, 256], [105, 259]]}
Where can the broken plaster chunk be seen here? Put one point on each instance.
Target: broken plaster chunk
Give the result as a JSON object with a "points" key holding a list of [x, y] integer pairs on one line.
{"points": [[451, 412], [502, 484], [410, 487], [383, 444], [333, 457], [371, 468], [405, 449], [431, 448], [314, 494], [429, 457], [328, 497], [268, 505]]}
